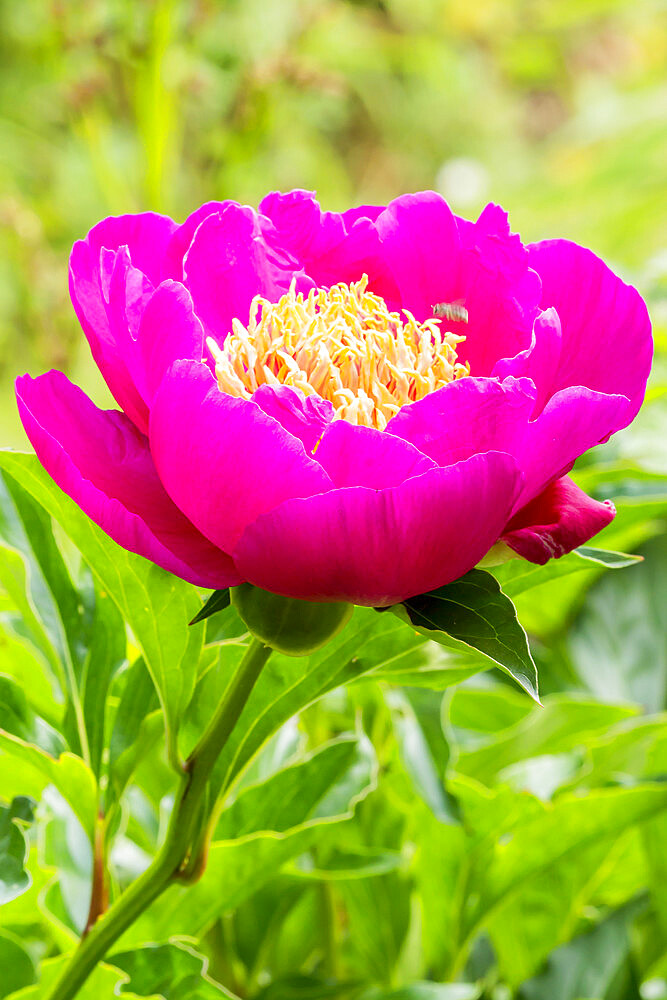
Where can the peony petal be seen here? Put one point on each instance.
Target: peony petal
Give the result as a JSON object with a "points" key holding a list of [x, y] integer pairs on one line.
{"points": [[422, 247], [378, 547], [607, 342], [183, 235], [557, 521], [304, 417], [478, 415], [168, 331], [146, 236], [540, 361], [226, 265], [466, 417], [361, 456], [223, 460], [330, 246], [106, 325], [103, 463]]}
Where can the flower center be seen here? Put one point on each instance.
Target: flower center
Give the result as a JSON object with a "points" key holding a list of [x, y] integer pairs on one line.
{"points": [[342, 344]]}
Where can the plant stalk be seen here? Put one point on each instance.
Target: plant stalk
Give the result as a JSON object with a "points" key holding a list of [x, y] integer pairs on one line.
{"points": [[181, 833]]}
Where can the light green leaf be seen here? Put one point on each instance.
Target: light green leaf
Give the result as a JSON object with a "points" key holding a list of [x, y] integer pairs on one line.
{"points": [[596, 964], [427, 991], [102, 984], [156, 604], [474, 611], [420, 756], [14, 879], [564, 723], [268, 824], [18, 969], [346, 865], [73, 779], [174, 971], [17, 718], [518, 575], [370, 644]]}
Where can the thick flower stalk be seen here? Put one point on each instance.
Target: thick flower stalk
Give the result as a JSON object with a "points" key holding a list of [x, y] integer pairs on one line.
{"points": [[339, 407]]}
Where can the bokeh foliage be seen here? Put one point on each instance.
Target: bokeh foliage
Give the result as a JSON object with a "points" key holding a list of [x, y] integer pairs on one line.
{"points": [[406, 836]]}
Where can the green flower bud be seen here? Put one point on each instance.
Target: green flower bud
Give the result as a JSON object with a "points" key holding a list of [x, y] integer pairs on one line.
{"points": [[288, 625]]}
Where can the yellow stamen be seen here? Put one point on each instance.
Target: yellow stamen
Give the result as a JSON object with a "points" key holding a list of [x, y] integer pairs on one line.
{"points": [[342, 344]]}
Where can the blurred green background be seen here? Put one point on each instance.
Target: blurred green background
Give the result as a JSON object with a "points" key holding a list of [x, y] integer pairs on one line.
{"points": [[555, 108]]}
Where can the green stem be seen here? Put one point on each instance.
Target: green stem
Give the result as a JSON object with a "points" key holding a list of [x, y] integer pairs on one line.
{"points": [[181, 833]]}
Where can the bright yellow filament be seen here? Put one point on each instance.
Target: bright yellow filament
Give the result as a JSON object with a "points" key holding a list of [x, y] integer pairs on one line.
{"points": [[342, 344]]}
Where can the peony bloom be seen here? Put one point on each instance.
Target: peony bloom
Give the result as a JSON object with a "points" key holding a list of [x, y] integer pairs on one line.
{"points": [[352, 406]]}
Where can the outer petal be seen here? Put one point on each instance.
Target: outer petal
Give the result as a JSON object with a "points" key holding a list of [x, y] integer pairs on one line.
{"points": [[146, 237], [168, 331], [466, 417], [227, 264], [183, 235], [478, 415], [101, 460], [557, 521], [106, 326], [377, 547], [540, 361], [606, 328], [223, 460]]}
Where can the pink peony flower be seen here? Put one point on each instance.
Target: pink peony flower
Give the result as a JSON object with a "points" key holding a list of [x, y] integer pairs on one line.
{"points": [[340, 438]]}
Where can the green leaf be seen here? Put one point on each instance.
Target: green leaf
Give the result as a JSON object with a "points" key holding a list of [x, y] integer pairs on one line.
{"points": [[474, 611], [80, 633], [173, 971], [18, 718], [518, 575], [370, 644], [423, 758], [597, 964], [617, 644], [102, 983], [14, 879], [267, 825], [73, 779], [218, 601], [18, 968], [346, 865], [137, 724], [427, 991], [156, 604], [564, 723]]}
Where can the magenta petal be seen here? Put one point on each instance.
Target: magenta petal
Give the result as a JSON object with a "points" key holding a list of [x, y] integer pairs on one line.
{"points": [[466, 417], [168, 331], [422, 247], [226, 266], [106, 325], [330, 246], [304, 417], [573, 421], [378, 547], [223, 460], [557, 521], [540, 361], [182, 237], [146, 237], [606, 328], [103, 463], [362, 456]]}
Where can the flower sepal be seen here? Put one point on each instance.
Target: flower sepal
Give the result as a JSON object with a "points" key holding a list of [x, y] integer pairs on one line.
{"points": [[286, 624]]}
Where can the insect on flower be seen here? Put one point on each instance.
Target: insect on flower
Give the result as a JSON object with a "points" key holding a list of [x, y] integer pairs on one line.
{"points": [[455, 312]]}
